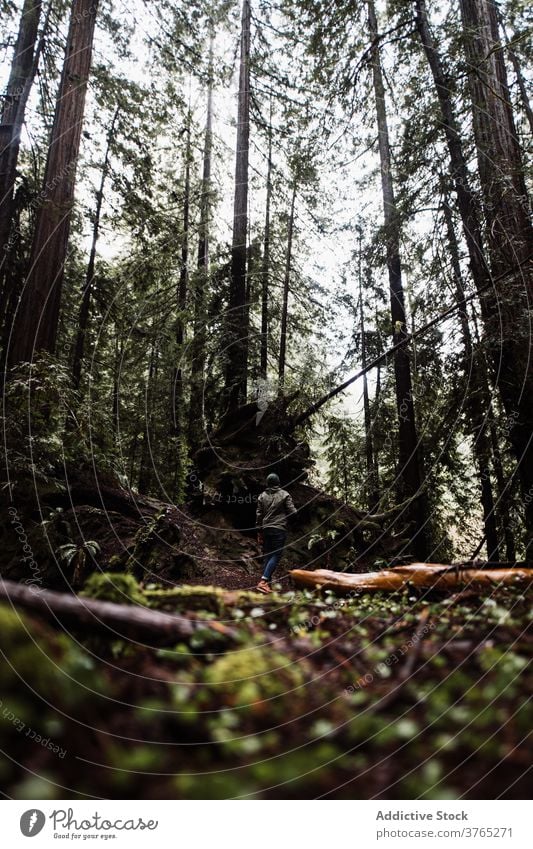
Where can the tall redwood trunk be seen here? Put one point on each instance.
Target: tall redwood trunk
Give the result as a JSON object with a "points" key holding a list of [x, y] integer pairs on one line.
{"points": [[409, 463], [286, 290], [198, 357], [237, 352], [509, 234], [22, 74], [117, 366], [177, 383], [146, 461], [478, 402], [504, 493], [265, 271], [504, 486], [504, 197], [36, 323], [371, 476], [458, 163], [85, 306], [515, 62]]}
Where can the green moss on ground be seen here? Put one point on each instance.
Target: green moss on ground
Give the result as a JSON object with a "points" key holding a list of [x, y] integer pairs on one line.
{"points": [[312, 699], [113, 586]]}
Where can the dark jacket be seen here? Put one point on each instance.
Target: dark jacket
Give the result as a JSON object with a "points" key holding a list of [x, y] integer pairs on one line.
{"points": [[274, 506]]}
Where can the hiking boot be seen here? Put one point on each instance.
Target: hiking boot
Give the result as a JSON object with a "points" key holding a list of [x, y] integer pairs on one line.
{"points": [[264, 587]]}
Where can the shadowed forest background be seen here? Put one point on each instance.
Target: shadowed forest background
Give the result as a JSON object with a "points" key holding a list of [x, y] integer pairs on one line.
{"points": [[243, 238]]}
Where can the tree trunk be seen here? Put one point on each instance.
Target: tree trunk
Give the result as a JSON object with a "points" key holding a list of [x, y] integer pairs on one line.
{"points": [[371, 482], [286, 289], [458, 164], [478, 402], [145, 469], [522, 87], [237, 364], [177, 383], [265, 276], [196, 415], [509, 234], [83, 316], [22, 74], [504, 191], [409, 472], [375, 409], [503, 487], [37, 319], [345, 473], [117, 365], [504, 493]]}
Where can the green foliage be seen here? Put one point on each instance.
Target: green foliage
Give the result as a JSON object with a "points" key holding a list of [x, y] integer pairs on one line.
{"points": [[344, 448], [254, 674], [115, 587], [49, 426], [76, 556]]}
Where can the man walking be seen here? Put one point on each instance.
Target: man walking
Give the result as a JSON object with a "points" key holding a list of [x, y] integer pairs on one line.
{"points": [[274, 506]]}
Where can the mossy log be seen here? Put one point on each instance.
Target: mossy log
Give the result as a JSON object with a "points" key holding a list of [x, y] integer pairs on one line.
{"points": [[116, 621], [424, 576]]}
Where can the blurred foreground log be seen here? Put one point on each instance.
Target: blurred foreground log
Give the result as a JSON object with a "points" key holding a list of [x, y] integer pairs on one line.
{"points": [[426, 576], [116, 621]]}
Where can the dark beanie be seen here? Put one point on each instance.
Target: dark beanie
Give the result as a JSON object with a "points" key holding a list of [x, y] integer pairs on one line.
{"points": [[272, 480]]}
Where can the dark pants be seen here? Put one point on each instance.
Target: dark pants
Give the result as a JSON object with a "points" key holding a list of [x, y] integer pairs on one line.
{"points": [[273, 545]]}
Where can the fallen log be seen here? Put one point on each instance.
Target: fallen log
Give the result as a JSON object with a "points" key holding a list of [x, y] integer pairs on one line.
{"points": [[118, 621], [425, 576]]}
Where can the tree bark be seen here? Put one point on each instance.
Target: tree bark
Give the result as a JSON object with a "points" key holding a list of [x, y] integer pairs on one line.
{"points": [[499, 156], [503, 486], [117, 366], [409, 471], [145, 468], [460, 177], [265, 275], [237, 356], [177, 383], [286, 290], [509, 234], [371, 478], [477, 403], [22, 74], [37, 320], [85, 307], [504, 492], [196, 414], [522, 87]]}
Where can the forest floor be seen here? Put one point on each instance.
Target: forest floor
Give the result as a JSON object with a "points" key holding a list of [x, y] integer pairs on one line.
{"points": [[301, 695]]}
